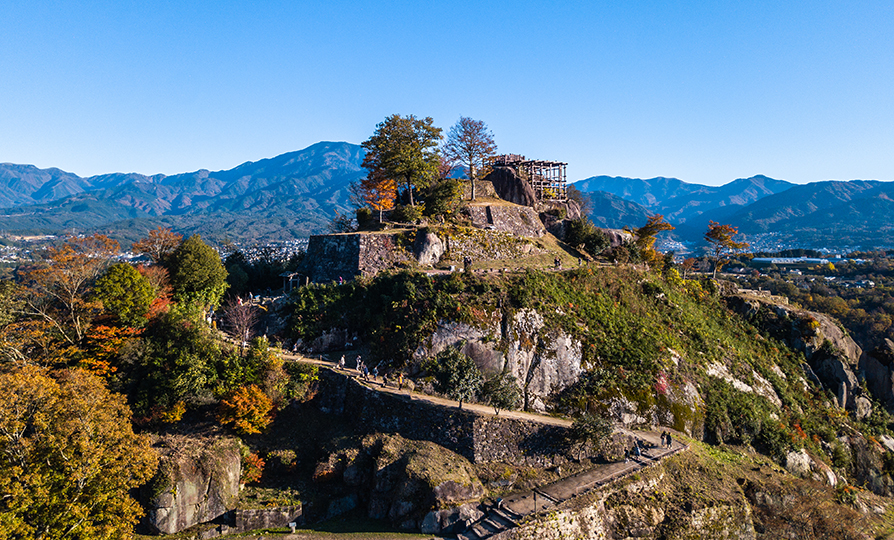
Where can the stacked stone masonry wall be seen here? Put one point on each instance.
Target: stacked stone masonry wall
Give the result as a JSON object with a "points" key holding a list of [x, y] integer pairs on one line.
{"points": [[476, 437]]}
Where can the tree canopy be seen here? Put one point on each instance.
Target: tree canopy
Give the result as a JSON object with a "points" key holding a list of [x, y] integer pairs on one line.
{"points": [[456, 375], [720, 241], [197, 273], [470, 142], [125, 293], [68, 457], [158, 245], [404, 148]]}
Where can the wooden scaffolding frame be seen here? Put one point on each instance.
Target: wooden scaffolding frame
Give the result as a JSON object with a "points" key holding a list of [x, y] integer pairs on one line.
{"points": [[548, 178]]}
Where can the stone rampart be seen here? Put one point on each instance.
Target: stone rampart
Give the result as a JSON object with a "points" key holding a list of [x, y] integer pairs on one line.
{"points": [[479, 438], [518, 220], [347, 256]]}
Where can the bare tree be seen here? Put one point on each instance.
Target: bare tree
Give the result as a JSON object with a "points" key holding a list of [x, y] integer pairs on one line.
{"points": [[470, 142], [240, 320]]}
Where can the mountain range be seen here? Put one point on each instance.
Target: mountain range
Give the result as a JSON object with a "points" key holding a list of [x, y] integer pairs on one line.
{"points": [[835, 214], [289, 196], [295, 194]]}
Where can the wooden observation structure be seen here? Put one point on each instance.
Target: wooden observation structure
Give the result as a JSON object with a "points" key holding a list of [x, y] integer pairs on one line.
{"points": [[546, 177]]}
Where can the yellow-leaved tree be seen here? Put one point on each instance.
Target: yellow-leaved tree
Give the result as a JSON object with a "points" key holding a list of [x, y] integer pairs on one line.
{"points": [[68, 457]]}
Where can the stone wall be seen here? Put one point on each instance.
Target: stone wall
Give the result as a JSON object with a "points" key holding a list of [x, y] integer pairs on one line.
{"points": [[486, 245], [476, 437], [518, 220], [347, 256]]}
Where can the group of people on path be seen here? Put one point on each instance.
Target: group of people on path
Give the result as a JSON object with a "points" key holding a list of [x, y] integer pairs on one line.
{"points": [[364, 371], [636, 450], [666, 441]]}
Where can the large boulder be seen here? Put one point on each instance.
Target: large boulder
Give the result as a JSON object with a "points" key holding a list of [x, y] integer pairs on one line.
{"points": [[878, 369], [404, 481], [428, 248], [511, 187], [197, 481]]}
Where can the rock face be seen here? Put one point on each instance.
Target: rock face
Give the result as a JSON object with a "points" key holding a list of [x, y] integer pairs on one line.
{"points": [[510, 187], [197, 481], [542, 360], [878, 369], [831, 354], [518, 220], [410, 482]]}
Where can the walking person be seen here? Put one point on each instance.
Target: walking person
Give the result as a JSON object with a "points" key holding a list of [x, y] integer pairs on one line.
{"points": [[400, 381], [341, 363], [669, 441], [376, 373]]}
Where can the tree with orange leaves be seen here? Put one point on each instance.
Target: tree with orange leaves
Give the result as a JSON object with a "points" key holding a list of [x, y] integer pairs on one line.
{"points": [[720, 241], [379, 192], [159, 245], [645, 238], [56, 288], [68, 457]]}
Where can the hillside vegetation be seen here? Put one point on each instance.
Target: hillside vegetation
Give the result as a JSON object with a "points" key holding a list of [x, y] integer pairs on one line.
{"points": [[668, 350]]}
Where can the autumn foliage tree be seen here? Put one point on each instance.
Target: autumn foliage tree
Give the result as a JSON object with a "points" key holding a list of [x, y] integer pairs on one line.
{"points": [[645, 238], [158, 245], [56, 288], [247, 409], [404, 148], [379, 192], [68, 457], [720, 242]]}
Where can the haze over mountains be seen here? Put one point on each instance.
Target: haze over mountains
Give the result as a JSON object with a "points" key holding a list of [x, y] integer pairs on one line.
{"points": [[297, 193]]}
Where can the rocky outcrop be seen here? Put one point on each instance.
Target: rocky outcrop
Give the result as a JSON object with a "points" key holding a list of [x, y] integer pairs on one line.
{"points": [[518, 220], [428, 248], [409, 483], [543, 360], [831, 354], [617, 237], [197, 481], [878, 370], [510, 187]]}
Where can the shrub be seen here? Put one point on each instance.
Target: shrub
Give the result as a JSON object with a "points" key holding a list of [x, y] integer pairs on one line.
{"points": [[365, 218], [252, 468], [406, 213], [247, 409], [444, 198]]}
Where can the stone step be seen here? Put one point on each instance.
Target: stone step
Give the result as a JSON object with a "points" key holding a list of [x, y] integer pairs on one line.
{"points": [[502, 519], [505, 516]]}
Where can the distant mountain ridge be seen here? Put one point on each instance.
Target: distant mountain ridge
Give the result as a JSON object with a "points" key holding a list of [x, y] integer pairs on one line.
{"points": [[829, 213], [290, 195], [295, 194]]}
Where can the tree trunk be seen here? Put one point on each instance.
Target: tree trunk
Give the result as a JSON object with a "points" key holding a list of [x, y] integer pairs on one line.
{"points": [[472, 179]]}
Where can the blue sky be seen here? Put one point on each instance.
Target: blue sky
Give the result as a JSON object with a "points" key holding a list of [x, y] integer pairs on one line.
{"points": [[703, 91]]}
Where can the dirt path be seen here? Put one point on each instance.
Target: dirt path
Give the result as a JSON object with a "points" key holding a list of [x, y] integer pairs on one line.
{"points": [[391, 388], [506, 513]]}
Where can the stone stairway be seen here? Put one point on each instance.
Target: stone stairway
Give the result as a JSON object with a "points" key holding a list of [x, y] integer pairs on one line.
{"points": [[507, 512], [495, 521]]}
